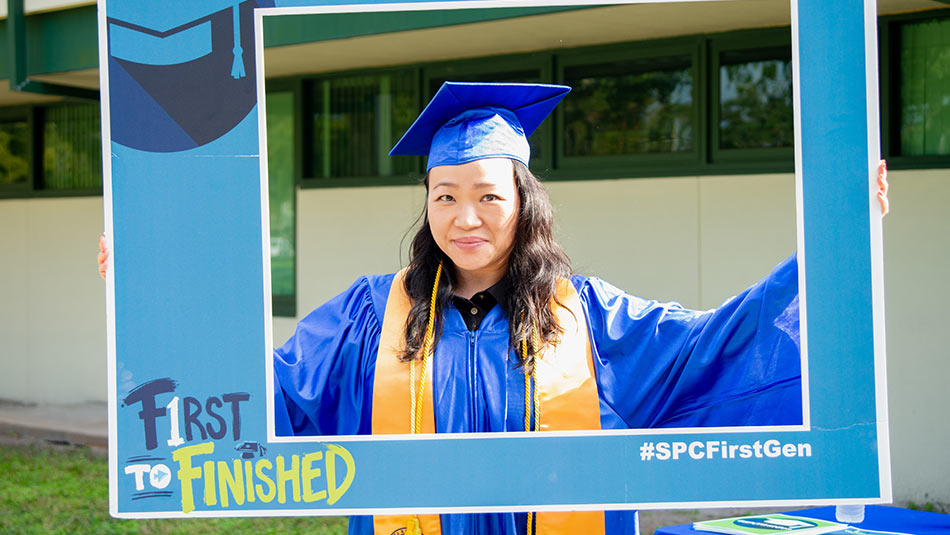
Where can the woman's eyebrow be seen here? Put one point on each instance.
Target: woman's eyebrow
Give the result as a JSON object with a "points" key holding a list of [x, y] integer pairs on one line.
{"points": [[444, 184], [448, 183]]}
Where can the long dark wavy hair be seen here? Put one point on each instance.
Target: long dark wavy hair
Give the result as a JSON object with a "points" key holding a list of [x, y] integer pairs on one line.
{"points": [[535, 265]]}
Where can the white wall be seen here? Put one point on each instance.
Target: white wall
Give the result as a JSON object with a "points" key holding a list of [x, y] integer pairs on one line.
{"points": [[696, 240], [917, 290], [52, 304]]}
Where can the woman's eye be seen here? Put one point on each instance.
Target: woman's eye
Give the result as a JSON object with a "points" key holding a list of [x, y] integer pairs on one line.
{"points": [[444, 198], [491, 197]]}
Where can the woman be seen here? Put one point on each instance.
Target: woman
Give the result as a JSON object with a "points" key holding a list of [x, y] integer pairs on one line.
{"points": [[486, 330]]}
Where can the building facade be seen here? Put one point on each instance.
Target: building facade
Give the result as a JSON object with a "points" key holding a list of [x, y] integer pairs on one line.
{"points": [[670, 166]]}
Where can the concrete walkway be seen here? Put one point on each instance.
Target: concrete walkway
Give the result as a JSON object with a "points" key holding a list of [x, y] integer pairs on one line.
{"points": [[85, 424]]}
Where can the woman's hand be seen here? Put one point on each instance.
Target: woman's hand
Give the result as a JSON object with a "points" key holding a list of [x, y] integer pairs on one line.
{"points": [[882, 188], [103, 257]]}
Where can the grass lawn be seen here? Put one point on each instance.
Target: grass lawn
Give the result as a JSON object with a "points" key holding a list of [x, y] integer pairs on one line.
{"points": [[65, 490]]}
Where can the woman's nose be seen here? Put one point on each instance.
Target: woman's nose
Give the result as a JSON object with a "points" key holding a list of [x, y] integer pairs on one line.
{"points": [[467, 217]]}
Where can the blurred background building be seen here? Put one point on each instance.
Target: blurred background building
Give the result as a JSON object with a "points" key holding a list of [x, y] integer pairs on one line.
{"points": [[670, 165]]}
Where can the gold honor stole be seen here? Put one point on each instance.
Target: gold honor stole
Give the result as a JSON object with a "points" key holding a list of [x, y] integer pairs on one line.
{"points": [[565, 378]]}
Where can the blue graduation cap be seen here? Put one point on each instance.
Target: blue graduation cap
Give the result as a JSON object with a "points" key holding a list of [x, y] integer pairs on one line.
{"points": [[154, 33], [180, 73], [465, 122]]}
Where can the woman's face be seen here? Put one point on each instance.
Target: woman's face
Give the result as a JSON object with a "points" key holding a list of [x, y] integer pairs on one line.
{"points": [[473, 215]]}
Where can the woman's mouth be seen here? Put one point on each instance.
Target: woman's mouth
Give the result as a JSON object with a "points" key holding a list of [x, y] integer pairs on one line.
{"points": [[469, 242]]}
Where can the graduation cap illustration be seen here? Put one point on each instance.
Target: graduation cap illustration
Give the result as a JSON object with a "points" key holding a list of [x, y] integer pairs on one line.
{"points": [[468, 121], [180, 73]]}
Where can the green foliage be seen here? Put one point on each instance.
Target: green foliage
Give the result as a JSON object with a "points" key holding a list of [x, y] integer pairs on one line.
{"points": [[65, 490], [756, 105], [14, 139], [629, 107], [927, 507], [72, 153]]}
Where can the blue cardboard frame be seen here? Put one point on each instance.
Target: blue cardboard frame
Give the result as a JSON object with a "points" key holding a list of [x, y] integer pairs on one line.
{"points": [[189, 309]]}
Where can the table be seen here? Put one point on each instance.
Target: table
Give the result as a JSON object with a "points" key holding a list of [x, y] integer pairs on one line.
{"points": [[876, 517]]}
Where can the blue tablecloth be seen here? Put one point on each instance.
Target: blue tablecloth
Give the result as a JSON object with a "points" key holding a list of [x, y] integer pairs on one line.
{"points": [[876, 517]]}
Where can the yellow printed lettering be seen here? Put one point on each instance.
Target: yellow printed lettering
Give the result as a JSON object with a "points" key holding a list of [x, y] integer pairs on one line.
{"points": [[292, 475], [249, 479], [187, 472], [211, 497], [259, 467], [308, 474], [336, 492], [231, 482]]}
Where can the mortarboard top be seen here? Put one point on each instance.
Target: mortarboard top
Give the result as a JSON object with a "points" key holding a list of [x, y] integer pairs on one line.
{"points": [[465, 122], [153, 33]]}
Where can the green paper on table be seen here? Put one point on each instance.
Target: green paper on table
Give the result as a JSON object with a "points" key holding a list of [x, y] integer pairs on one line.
{"points": [[769, 524]]}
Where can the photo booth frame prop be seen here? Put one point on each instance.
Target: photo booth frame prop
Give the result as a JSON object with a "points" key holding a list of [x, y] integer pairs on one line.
{"points": [[189, 319]]}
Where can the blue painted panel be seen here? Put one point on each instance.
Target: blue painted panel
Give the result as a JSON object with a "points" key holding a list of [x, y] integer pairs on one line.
{"points": [[186, 45], [837, 227]]}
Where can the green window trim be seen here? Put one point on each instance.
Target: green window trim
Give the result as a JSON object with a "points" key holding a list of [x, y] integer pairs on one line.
{"points": [[282, 189]]}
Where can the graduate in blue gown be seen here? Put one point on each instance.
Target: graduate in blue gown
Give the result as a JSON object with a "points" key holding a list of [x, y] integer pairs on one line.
{"points": [[499, 287], [486, 255]]}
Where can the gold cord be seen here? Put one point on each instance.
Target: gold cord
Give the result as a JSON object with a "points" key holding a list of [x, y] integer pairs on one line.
{"points": [[536, 341], [536, 344], [415, 398], [414, 527]]}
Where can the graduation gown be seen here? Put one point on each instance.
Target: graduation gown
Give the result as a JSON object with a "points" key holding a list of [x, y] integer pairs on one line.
{"points": [[656, 365]]}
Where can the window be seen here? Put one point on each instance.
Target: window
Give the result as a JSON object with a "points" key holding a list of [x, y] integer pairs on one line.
{"points": [[751, 116], [14, 151], [282, 201], [72, 147], [631, 105], [355, 120], [704, 104], [755, 99], [55, 149], [924, 88]]}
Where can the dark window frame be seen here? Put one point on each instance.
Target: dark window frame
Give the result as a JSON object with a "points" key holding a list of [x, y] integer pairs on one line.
{"points": [[890, 105]]}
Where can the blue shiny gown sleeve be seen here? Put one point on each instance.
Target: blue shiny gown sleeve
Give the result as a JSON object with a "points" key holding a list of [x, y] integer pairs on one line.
{"points": [[323, 375], [660, 365]]}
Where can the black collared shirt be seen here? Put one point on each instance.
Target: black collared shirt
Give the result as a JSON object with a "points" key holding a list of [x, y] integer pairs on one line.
{"points": [[475, 309]]}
